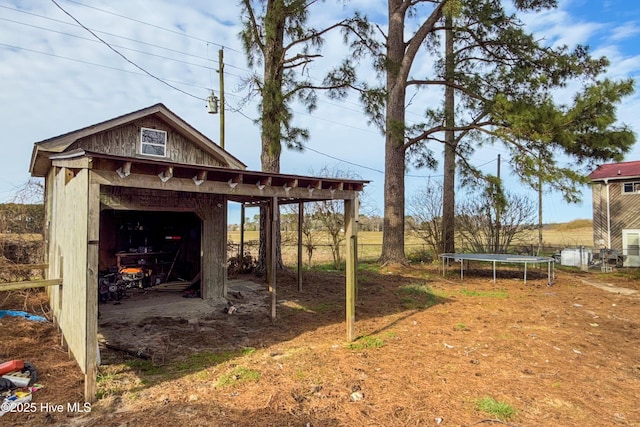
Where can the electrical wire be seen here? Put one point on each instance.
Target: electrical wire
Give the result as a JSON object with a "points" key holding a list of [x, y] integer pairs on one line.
{"points": [[96, 65], [165, 81], [114, 45], [152, 25], [124, 57], [208, 59]]}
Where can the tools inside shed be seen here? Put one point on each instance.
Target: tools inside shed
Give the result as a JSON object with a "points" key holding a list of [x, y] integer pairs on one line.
{"points": [[143, 249]]}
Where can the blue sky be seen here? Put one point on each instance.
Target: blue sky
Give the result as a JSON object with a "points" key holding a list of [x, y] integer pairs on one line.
{"points": [[55, 77]]}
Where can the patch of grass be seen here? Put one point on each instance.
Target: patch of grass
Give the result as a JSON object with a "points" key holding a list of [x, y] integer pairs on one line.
{"points": [[418, 296], [627, 273], [460, 326], [105, 376], [499, 409], [421, 255], [327, 268], [416, 289], [197, 361], [323, 307], [145, 367], [365, 342], [501, 294], [314, 308], [113, 380], [372, 267], [237, 375]]}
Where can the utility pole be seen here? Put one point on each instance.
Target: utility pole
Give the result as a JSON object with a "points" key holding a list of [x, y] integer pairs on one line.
{"points": [[221, 72]]}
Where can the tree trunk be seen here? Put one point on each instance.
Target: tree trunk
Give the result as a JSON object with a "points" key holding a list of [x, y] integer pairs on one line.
{"points": [[449, 179], [272, 104], [393, 231]]}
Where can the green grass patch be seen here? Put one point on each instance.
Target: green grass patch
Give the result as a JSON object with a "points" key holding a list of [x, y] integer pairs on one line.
{"points": [[366, 342], [501, 294], [499, 409], [323, 307], [197, 361], [417, 296], [239, 374], [135, 374], [105, 377], [145, 367], [627, 273], [327, 268], [372, 267]]}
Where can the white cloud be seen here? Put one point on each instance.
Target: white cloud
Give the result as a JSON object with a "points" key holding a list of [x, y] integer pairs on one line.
{"points": [[625, 31]]}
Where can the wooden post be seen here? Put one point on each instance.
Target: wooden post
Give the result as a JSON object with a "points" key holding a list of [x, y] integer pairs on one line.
{"points": [[351, 267], [93, 236], [270, 258], [241, 234], [300, 221], [273, 251]]}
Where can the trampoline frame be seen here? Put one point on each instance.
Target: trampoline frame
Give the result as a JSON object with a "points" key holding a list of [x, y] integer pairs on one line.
{"points": [[502, 259]]}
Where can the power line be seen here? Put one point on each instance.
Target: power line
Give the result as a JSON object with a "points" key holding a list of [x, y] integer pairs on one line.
{"points": [[111, 47], [124, 57], [154, 26], [112, 35], [341, 105], [342, 160], [114, 45], [173, 32], [96, 65]]}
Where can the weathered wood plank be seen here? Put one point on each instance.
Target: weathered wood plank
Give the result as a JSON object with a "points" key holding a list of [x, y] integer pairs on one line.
{"points": [[29, 284], [215, 187], [11, 267]]}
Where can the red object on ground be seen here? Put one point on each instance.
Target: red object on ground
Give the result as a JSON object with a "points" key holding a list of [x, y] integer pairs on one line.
{"points": [[10, 366]]}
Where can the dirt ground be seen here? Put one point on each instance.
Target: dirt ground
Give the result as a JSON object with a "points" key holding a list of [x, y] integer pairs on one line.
{"points": [[430, 352]]}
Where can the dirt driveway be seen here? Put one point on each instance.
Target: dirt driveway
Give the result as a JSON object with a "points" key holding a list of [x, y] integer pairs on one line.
{"points": [[432, 351]]}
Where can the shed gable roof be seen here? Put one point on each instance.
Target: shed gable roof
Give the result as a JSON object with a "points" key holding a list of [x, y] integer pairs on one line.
{"points": [[610, 171], [42, 150]]}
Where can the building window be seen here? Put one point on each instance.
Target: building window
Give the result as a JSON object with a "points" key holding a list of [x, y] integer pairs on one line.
{"points": [[153, 142], [631, 187]]}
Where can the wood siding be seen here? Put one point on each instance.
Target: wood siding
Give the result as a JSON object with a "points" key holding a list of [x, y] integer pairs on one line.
{"points": [[624, 211], [125, 141], [68, 256]]}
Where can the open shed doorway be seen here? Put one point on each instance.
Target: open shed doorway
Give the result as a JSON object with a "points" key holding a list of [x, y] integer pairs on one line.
{"points": [[147, 249]]}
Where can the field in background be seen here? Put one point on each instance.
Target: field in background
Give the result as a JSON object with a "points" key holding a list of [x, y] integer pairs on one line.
{"points": [[566, 235], [555, 236]]}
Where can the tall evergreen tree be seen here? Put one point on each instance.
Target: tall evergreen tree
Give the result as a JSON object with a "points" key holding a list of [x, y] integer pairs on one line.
{"points": [[498, 83], [276, 34]]}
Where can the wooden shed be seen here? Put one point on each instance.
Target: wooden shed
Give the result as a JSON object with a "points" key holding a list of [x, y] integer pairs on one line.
{"points": [[148, 184]]}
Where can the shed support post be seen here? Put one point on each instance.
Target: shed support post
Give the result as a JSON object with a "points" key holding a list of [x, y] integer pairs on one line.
{"points": [[350, 215], [271, 252], [242, 213], [300, 221], [91, 339]]}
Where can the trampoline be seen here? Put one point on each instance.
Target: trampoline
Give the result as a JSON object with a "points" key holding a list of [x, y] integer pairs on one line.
{"points": [[502, 259]]}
